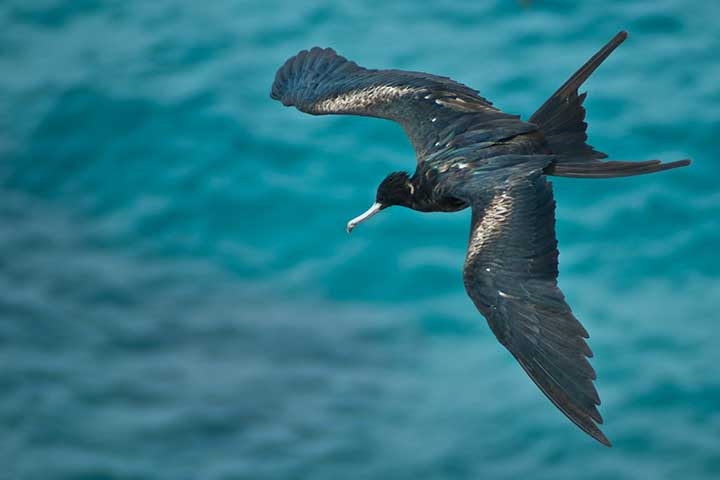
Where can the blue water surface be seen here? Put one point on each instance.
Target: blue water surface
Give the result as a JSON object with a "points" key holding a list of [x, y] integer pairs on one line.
{"points": [[179, 299]]}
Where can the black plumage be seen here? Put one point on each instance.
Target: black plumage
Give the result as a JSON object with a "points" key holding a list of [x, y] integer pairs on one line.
{"points": [[469, 153]]}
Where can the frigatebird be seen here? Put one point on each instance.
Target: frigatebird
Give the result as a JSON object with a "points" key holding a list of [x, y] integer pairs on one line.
{"points": [[471, 154]]}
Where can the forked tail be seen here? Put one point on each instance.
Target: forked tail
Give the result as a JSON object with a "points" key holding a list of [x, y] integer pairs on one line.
{"points": [[562, 120]]}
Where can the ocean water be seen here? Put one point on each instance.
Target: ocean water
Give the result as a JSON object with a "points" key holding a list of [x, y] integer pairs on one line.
{"points": [[179, 299]]}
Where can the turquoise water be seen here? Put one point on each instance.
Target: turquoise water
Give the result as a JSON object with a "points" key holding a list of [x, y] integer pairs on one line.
{"points": [[179, 299]]}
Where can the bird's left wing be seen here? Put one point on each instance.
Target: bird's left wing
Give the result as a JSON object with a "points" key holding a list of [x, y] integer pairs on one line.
{"points": [[511, 273], [433, 110]]}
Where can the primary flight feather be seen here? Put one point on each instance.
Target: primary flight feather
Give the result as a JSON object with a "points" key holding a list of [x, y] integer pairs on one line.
{"points": [[471, 154]]}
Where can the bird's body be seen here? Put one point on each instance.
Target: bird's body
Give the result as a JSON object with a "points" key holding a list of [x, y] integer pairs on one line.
{"points": [[471, 154]]}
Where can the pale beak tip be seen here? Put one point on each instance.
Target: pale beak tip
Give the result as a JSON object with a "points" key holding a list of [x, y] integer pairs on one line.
{"points": [[376, 207]]}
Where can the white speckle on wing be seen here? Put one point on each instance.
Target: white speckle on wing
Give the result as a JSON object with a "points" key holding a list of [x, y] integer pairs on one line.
{"points": [[433, 119], [507, 295], [462, 105], [462, 165]]}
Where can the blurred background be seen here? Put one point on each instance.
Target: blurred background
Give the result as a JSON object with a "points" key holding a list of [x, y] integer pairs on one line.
{"points": [[179, 298]]}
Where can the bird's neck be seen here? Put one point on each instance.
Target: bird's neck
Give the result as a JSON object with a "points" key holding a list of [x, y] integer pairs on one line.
{"points": [[424, 197]]}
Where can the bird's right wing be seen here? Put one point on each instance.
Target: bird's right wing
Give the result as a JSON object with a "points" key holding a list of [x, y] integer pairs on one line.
{"points": [[433, 110], [511, 273]]}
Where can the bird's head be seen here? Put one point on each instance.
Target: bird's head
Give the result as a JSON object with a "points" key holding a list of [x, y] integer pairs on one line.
{"points": [[395, 189]]}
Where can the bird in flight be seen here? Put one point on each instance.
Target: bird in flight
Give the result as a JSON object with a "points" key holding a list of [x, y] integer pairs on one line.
{"points": [[471, 154]]}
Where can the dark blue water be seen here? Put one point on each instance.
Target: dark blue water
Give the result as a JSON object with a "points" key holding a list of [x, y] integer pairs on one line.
{"points": [[179, 299]]}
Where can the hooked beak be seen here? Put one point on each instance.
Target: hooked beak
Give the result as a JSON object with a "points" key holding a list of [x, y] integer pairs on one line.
{"points": [[376, 207]]}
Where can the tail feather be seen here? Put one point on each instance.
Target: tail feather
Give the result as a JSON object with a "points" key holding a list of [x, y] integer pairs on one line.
{"points": [[562, 120], [611, 169], [562, 116]]}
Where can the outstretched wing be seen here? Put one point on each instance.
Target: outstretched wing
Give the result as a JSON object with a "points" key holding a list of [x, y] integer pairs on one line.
{"points": [[511, 273], [432, 110]]}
